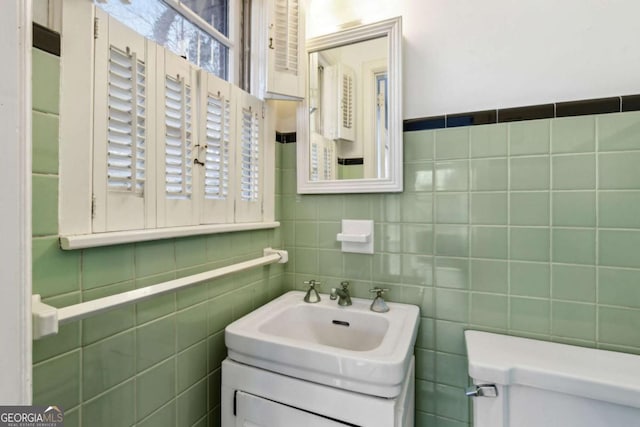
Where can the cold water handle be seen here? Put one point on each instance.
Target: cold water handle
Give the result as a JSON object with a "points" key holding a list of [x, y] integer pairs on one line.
{"points": [[312, 295], [482, 390], [379, 305]]}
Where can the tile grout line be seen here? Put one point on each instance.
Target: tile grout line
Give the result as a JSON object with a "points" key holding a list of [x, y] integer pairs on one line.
{"points": [[469, 230], [551, 228], [597, 229], [433, 264], [509, 295], [81, 327]]}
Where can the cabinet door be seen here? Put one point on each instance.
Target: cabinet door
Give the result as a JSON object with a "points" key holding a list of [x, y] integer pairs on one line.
{"points": [[254, 411], [278, 49]]}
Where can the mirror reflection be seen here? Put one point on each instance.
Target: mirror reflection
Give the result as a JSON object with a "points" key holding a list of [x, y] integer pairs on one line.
{"points": [[348, 119], [350, 123]]}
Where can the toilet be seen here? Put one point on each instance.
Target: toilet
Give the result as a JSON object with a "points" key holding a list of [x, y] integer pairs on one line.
{"points": [[520, 382]]}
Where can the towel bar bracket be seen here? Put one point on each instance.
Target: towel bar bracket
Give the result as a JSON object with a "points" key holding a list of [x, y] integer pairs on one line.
{"points": [[284, 255], [44, 318]]}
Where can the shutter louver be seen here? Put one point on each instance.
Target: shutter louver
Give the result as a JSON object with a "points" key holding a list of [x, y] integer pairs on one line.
{"points": [[314, 161], [347, 101], [216, 181], [328, 163], [250, 156], [286, 35], [126, 122], [178, 138]]}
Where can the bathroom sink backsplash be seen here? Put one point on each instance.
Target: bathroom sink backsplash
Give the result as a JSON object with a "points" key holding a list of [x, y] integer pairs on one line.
{"points": [[530, 228]]}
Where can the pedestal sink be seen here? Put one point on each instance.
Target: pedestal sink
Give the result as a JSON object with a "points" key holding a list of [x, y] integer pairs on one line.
{"points": [[351, 348]]}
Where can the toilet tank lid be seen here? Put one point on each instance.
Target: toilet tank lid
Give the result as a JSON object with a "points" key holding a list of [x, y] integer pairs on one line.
{"points": [[586, 372]]}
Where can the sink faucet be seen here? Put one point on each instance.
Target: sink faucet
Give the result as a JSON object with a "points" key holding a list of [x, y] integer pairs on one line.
{"points": [[312, 295], [378, 305], [345, 298]]}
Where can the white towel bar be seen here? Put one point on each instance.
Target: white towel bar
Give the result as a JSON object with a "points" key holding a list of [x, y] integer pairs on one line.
{"points": [[46, 318]]}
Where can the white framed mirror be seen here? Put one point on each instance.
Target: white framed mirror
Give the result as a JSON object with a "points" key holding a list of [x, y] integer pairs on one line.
{"points": [[350, 123]]}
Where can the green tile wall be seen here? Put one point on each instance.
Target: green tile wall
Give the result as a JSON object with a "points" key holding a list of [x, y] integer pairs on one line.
{"points": [[529, 228], [156, 363]]}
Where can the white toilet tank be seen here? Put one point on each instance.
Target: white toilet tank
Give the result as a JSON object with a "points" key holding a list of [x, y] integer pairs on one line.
{"points": [[546, 384]]}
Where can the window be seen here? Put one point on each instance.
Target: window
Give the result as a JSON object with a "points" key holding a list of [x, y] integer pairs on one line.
{"points": [[170, 23], [382, 124], [176, 150]]}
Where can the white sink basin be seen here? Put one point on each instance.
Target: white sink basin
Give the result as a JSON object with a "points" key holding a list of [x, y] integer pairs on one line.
{"points": [[351, 347]]}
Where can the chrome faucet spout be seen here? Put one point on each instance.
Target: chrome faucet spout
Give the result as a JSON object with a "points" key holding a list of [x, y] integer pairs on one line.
{"points": [[343, 294]]}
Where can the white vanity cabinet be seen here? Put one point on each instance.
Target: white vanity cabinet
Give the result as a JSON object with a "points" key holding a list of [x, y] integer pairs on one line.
{"points": [[253, 397], [259, 412], [295, 364]]}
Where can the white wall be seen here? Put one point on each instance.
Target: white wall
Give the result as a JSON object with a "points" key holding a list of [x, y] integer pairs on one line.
{"points": [[467, 55]]}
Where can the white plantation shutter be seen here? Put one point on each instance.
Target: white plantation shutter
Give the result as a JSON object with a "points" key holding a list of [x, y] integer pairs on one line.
{"points": [[314, 161], [339, 99], [215, 151], [249, 163], [347, 100], [178, 200], [124, 61], [322, 158], [250, 155], [158, 145], [286, 36], [178, 139], [216, 164], [126, 136], [329, 161], [280, 37]]}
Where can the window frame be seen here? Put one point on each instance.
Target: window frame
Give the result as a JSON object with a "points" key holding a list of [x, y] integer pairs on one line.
{"points": [[77, 205]]}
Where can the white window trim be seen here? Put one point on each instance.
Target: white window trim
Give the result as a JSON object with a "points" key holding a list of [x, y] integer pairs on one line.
{"points": [[15, 215], [82, 241], [368, 117], [76, 148], [76, 121], [48, 14]]}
